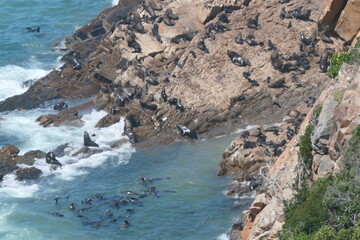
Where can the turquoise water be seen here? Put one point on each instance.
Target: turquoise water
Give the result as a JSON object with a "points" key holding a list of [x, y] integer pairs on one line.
{"points": [[188, 202]]}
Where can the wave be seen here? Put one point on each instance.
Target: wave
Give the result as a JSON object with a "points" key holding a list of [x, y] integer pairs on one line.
{"points": [[16, 80], [21, 127]]}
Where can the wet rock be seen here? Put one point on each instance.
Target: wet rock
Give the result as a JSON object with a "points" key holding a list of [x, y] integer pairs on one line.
{"points": [[27, 173], [30, 156]]}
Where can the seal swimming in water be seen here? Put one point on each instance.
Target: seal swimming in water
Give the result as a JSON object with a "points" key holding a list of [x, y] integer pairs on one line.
{"points": [[237, 59], [50, 159], [30, 29], [88, 142]]}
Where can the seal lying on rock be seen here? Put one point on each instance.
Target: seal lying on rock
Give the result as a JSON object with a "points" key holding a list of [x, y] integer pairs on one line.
{"points": [[128, 130], [60, 106], [237, 59], [88, 142], [324, 64], [184, 131], [50, 159]]}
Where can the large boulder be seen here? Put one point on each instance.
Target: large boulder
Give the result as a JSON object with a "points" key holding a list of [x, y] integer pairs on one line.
{"points": [[348, 24], [27, 173]]}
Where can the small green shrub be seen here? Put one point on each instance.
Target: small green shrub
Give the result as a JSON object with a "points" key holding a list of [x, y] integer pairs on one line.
{"points": [[338, 95], [338, 59], [324, 233], [305, 147], [316, 114]]}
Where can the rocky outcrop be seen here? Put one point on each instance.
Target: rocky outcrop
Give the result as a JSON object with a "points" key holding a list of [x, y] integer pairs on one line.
{"points": [[339, 116], [348, 24], [9, 160], [343, 17], [172, 66]]}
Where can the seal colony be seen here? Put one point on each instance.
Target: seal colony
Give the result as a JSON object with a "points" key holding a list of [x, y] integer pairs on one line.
{"points": [[170, 74]]}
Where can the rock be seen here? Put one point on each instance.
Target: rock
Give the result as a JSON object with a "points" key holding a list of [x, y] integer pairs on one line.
{"points": [[10, 150], [207, 13], [348, 24], [30, 156], [322, 166], [331, 12], [27, 173], [64, 117], [321, 135]]}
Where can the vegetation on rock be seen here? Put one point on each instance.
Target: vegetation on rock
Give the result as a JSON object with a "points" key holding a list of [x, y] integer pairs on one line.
{"points": [[338, 59], [330, 209]]}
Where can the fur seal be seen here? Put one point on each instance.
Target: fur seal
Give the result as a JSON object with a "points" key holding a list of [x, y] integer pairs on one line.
{"points": [[324, 64], [56, 214], [152, 81], [323, 35], [149, 8], [50, 159], [275, 59], [173, 101], [271, 46], [201, 45], [30, 29], [60, 105], [128, 125], [155, 32], [169, 16], [238, 38], [179, 106], [88, 142], [254, 22], [184, 131], [148, 105], [72, 206], [132, 43], [125, 225], [237, 59], [164, 96], [305, 40], [250, 40]]}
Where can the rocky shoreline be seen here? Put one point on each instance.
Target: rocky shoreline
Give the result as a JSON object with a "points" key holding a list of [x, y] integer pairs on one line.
{"points": [[176, 70]]}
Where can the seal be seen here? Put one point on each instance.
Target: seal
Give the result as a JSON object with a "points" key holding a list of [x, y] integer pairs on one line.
{"points": [[179, 106], [238, 38], [128, 131], [164, 96], [50, 159], [324, 64], [271, 46], [88, 142], [184, 131], [250, 40], [254, 22], [168, 17], [132, 43], [237, 59], [155, 32], [149, 8], [60, 106], [201, 45], [152, 81], [125, 225], [275, 60], [30, 29], [72, 206]]}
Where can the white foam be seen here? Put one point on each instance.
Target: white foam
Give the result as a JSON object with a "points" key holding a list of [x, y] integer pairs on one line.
{"points": [[12, 79], [223, 236], [31, 136], [115, 2], [10, 187]]}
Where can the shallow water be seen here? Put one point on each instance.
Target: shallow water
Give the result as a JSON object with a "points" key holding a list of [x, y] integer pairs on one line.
{"points": [[188, 202]]}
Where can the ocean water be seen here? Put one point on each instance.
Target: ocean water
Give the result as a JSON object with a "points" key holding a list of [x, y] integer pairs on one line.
{"points": [[181, 197]]}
